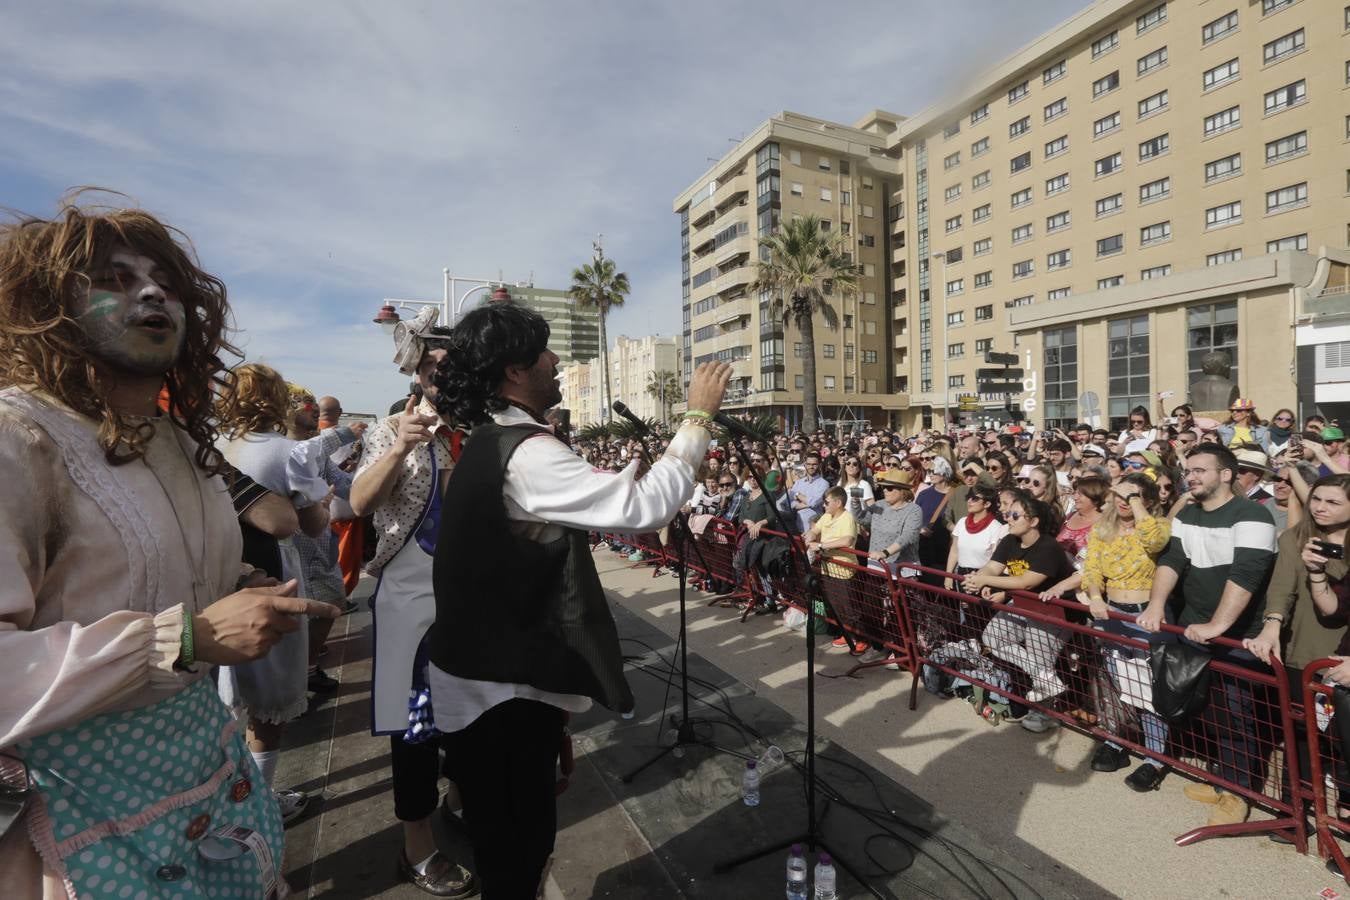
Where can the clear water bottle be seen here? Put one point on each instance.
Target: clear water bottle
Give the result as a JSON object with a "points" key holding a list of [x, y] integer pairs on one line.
{"points": [[825, 878], [796, 873], [750, 784]]}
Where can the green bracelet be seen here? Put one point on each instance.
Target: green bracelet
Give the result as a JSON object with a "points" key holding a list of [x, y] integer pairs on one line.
{"points": [[187, 648], [697, 414]]}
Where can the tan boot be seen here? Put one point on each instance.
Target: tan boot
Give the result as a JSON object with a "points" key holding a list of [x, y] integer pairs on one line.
{"points": [[1230, 810], [1201, 793]]}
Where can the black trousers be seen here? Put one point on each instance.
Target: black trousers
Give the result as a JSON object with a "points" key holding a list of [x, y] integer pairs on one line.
{"points": [[416, 770], [505, 767]]}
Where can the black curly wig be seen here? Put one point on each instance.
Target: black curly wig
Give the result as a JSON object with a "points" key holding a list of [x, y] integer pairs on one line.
{"points": [[481, 346]]}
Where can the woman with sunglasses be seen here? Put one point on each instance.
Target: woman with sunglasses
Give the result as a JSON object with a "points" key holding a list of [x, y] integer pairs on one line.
{"points": [[1042, 483], [1139, 428], [975, 535], [1025, 560], [1244, 426], [999, 469], [1279, 432], [1117, 576], [933, 498], [856, 485]]}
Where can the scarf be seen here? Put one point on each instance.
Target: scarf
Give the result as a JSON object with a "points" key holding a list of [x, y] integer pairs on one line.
{"points": [[973, 527], [1278, 435]]}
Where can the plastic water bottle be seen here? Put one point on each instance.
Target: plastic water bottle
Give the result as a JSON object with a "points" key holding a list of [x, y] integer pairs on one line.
{"points": [[750, 784], [825, 878], [796, 873]]}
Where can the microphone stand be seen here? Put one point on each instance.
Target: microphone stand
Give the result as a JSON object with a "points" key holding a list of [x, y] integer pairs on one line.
{"points": [[796, 558], [683, 722]]}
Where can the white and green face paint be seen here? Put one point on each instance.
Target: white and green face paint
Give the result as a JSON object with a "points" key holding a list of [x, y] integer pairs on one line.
{"points": [[129, 316]]}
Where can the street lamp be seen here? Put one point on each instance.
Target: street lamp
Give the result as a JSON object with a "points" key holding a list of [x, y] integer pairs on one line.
{"points": [[942, 282], [451, 303]]}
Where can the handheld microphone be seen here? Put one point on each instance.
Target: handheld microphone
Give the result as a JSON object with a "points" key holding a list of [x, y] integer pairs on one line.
{"points": [[622, 409]]}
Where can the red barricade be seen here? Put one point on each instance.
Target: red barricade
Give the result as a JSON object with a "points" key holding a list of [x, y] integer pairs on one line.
{"points": [[1326, 709]]}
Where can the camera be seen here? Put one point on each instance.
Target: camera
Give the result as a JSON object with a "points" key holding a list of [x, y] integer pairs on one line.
{"points": [[1329, 550]]}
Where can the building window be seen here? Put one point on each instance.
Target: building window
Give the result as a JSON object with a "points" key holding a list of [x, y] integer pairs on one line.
{"points": [[1060, 351], [1221, 74], [1286, 198], [869, 356], [956, 381], [1227, 214], [1054, 294], [1056, 184], [983, 314], [1270, 6], [1109, 205], [1287, 147], [1223, 120], [1105, 44], [1020, 127], [980, 213], [1155, 190], [952, 224], [864, 240], [1219, 169], [954, 255], [1281, 47], [824, 164], [1023, 269], [845, 198], [983, 280], [1057, 146], [798, 382], [1155, 234], [1223, 256], [981, 247], [848, 321], [1020, 162], [1107, 164], [1109, 246], [1056, 72], [1021, 198], [825, 194], [1017, 92], [1282, 98], [796, 188], [1155, 272], [1127, 354], [1106, 124], [1057, 109], [1152, 104], [829, 382], [956, 351], [1021, 233], [1151, 62], [984, 345], [1154, 146], [1220, 27], [979, 148], [1293, 242], [951, 160], [828, 351], [1105, 85], [952, 193], [955, 319], [850, 351], [1019, 301], [1105, 284], [797, 350], [1211, 327], [1151, 19], [956, 286], [979, 113], [1057, 260], [1057, 222], [848, 384]]}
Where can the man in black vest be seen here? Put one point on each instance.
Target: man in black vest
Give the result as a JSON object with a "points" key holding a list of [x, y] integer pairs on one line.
{"points": [[523, 634]]}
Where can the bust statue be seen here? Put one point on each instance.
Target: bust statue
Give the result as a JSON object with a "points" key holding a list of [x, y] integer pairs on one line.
{"points": [[1213, 391]]}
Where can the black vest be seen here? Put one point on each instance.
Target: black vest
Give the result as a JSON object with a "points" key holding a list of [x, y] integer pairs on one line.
{"points": [[511, 609]]}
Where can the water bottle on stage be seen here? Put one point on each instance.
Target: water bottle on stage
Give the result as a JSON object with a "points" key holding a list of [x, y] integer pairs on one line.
{"points": [[796, 873], [750, 784], [825, 878]]}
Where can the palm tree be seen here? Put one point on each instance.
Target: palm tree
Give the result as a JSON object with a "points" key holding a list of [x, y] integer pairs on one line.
{"points": [[596, 285], [665, 387], [805, 266]]}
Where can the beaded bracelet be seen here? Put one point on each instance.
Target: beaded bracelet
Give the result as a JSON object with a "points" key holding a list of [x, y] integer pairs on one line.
{"points": [[187, 648]]}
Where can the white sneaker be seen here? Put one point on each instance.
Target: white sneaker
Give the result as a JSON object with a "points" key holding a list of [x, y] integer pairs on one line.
{"points": [[893, 666], [1046, 685], [292, 804]]}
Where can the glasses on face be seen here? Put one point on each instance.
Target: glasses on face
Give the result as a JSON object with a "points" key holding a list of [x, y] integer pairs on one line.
{"points": [[890, 487], [1132, 464], [1136, 421], [1128, 497], [727, 485], [852, 464], [995, 467], [1023, 479], [1013, 516], [1284, 418], [1038, 484]]}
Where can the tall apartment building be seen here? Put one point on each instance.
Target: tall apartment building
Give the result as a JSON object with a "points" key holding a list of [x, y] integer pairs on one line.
{"points": [[579, 383], [634, 363], [792, 165], [575, 332], [1098, 203]]}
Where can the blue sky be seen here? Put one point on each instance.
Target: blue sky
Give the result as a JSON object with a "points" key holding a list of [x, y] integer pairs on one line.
{"points": [[325, 155]]}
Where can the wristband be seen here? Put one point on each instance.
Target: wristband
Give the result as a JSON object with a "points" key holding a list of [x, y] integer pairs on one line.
{"points": [[697, 414], [187, 648], [1273, 618]]}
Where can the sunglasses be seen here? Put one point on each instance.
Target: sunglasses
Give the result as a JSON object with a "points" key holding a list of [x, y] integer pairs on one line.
{"points": [[727, 485], [890, 487], [1136, 421], [1132, 464], [1128, 497], [852, 464], [1013, 516], [1283, 419]]}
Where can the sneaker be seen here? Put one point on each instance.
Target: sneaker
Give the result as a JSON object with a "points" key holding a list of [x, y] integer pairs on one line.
{"points": [[1230, 810], [1046, 685], [320, 682], [859, 648], [1146, 778], [602, 545], [1110, 759], [1201, 793], [292, 804], [442, 878], [840, 641], [1334, 869], [1038, 722], [637, 556], [891, 664]]}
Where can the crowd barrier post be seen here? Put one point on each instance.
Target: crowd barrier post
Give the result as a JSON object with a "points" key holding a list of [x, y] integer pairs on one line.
{"points": [[1326, 761]]}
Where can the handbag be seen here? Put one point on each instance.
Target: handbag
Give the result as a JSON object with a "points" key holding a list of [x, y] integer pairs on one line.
{"points": [[1180, 680]]}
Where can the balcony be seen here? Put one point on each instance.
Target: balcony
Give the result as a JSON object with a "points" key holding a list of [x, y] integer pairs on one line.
{"points": [[738, 277], [733, 311], [899, 283], [899, 254], [730, 251], [731, 192], [901, 340]]}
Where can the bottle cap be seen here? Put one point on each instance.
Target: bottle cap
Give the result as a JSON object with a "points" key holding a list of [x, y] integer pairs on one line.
{"points": [[750, 764], [796, 849], [826, 859]]}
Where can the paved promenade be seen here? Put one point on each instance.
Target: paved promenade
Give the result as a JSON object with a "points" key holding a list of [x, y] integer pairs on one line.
{"points": [[987, 811]]}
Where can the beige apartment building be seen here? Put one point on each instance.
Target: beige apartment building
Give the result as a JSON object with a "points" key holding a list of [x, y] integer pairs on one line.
{"points": [[633, 363], [792, 165], [580, 385], [1143, 183]]}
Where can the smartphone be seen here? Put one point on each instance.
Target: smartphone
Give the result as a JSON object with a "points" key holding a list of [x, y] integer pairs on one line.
{"points": [[1295, 440], [855, 491], [1329, 550]]}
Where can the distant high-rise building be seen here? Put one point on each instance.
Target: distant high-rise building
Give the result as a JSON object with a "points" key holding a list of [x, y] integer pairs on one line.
{"points": [[575, 331]]}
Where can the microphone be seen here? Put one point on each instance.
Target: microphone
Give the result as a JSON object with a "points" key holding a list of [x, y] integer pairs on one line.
{"points": [[622, 409]]}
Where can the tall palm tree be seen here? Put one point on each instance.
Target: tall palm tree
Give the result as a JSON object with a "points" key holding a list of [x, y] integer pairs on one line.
{"points": [[805, 266], [665, 387], [596, 285]]}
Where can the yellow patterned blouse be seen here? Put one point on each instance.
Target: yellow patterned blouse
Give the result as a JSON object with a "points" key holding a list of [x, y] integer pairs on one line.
{"points": [[1128, 561]]}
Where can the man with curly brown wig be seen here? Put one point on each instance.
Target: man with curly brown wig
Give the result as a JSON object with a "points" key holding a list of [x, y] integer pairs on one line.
{"points": [[119, 571]]}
